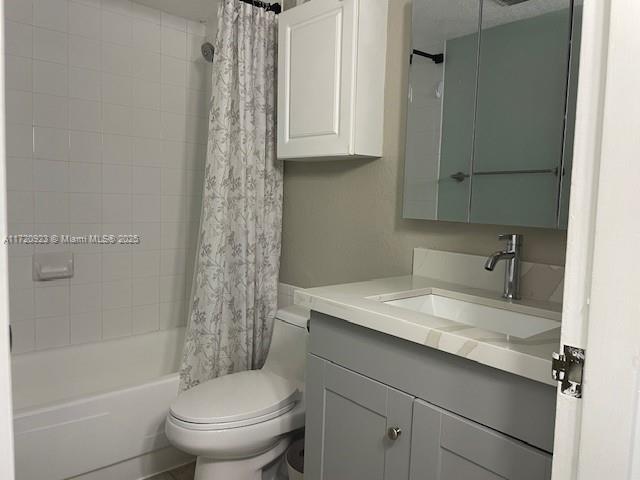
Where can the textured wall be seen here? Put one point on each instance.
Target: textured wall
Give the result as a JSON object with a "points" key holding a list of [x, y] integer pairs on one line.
{"points": [[342, 219]]}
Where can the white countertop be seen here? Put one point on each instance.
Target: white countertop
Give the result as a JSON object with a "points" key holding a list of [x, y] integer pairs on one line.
{"points": [[360, 303]]}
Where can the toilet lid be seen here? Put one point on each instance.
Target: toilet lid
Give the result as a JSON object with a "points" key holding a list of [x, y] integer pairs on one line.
{"points": [[234, 398]]}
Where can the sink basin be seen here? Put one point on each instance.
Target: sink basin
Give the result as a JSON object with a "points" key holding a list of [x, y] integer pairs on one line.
{"points": [[507, 322]]}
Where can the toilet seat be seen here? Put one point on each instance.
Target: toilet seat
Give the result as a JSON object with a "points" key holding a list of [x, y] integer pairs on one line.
{"points": [[235, 400]]}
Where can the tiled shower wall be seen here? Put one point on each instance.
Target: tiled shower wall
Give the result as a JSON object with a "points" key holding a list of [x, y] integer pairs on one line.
{"points": [[106, 120]]}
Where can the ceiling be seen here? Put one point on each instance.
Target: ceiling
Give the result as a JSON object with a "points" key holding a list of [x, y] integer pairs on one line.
{"points": [[193, 9]]}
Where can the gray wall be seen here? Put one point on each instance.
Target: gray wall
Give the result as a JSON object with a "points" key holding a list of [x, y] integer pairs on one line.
{"points": [[342, 220]]}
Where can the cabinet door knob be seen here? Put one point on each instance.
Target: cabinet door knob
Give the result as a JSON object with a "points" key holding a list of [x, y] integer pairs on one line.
{"points": [[394, 432]]}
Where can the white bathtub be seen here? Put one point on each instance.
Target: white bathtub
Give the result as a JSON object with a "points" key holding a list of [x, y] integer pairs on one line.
{"points": [[83, 408]]}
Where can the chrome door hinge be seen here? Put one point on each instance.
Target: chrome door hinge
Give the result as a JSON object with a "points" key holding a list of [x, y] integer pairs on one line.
{"points": [[567, 369]]}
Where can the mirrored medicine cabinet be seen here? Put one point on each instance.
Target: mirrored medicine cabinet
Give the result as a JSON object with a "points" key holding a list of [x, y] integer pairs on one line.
{"points": [[491, 111]]}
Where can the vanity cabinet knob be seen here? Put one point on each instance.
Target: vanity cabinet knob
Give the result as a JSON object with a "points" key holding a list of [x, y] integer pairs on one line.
{"points": [[394, 432]]}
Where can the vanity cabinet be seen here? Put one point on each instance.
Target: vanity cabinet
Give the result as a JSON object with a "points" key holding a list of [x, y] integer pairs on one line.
{"points": [[348, 432], [379, 407], [447, 447], [331, 70]]}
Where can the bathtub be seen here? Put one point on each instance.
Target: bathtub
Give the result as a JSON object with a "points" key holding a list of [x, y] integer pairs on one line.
{"points": [[82, 410]]}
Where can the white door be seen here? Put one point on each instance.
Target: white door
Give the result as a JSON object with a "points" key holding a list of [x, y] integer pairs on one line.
{"points": [[598, 436], [6, 414], [315, 79]]}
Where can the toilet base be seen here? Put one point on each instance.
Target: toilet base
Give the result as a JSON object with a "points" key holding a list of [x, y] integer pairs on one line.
{"points": [[243, 469]]}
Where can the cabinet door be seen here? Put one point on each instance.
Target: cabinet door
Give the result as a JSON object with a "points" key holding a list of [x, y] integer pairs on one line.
{"points": [[347, 423], [447, 447], [315, 79]]}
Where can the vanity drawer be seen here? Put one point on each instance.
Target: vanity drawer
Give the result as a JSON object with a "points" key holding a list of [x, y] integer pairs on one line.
{"points": [[516, 406]]}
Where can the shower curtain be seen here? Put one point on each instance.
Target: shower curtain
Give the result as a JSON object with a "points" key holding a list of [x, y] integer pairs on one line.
{"points": [[234, 295]]}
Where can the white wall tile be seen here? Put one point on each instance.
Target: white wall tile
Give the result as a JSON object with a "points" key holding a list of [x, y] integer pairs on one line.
{"points": [[86, 298], [50, 176], [172, 315], [85, 147], [146, 65], [51, 143], [51, 301], [174, 98], [194, 48], [51, 14], [147, 152], [174, 208], [116, 28], [146, 318], [50, 111], [174, 71], [145, 264], [87, 268], [18, 72], [116, 119], [146, 208], [51, 207], [24, 336], [116, 209], [149, 234], [144, 12], [51, 78], [19, 106], [146, 180], [19, 140], [19, 10], [87, 53], [88, 108], [49, 45], [84, 20], [196, 28], [20, 208], [86, 327], [117, 59], [174, 43], [52, 332], [84, 83], [199, 76], [85, 177], [22, 304], [116, 323], [85, 208], [174, 22], [117, 149], [19, 173], [146, 36], [116, 294], [116, 179], [146, 123], [146, 94], [146, 291], [117, 6], [116, 266], [18, 39], [173, 262], [117, 89], [85, 115]]}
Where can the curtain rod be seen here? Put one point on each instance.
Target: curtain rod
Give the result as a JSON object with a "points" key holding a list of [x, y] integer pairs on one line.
{"points": [[269, 7]]}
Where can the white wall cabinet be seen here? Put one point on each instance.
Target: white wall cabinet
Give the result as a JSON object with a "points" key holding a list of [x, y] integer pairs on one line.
{"points": [[331, 72]]}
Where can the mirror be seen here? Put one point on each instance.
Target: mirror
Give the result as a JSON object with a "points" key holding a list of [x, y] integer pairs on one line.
{"points": [[487, 137]]}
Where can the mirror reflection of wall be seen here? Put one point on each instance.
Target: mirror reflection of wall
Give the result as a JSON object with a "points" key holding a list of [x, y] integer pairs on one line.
{"points": [[487, 138]]}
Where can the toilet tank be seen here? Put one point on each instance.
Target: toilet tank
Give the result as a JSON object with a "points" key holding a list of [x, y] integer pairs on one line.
{"points": [[288, 350]]}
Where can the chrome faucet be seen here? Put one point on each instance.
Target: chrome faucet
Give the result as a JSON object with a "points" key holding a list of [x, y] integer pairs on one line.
{"points": [[512, 272]]}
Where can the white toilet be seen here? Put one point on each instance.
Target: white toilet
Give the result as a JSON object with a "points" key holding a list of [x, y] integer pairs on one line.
{"points": [[240, 424]]}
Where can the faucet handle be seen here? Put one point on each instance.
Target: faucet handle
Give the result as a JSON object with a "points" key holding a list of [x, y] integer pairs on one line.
{"points": [[514, 239]]}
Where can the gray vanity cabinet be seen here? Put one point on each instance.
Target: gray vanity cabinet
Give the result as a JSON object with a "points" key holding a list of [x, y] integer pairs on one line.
{"points": [[455, 419], [348, 421], [447, 447]]}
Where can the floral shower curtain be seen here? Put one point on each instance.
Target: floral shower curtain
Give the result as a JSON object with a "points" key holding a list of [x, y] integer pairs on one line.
{"points": [[234, 295]]}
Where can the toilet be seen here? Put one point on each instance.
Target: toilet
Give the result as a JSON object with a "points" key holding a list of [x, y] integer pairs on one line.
{"points": [[240, 425]]}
